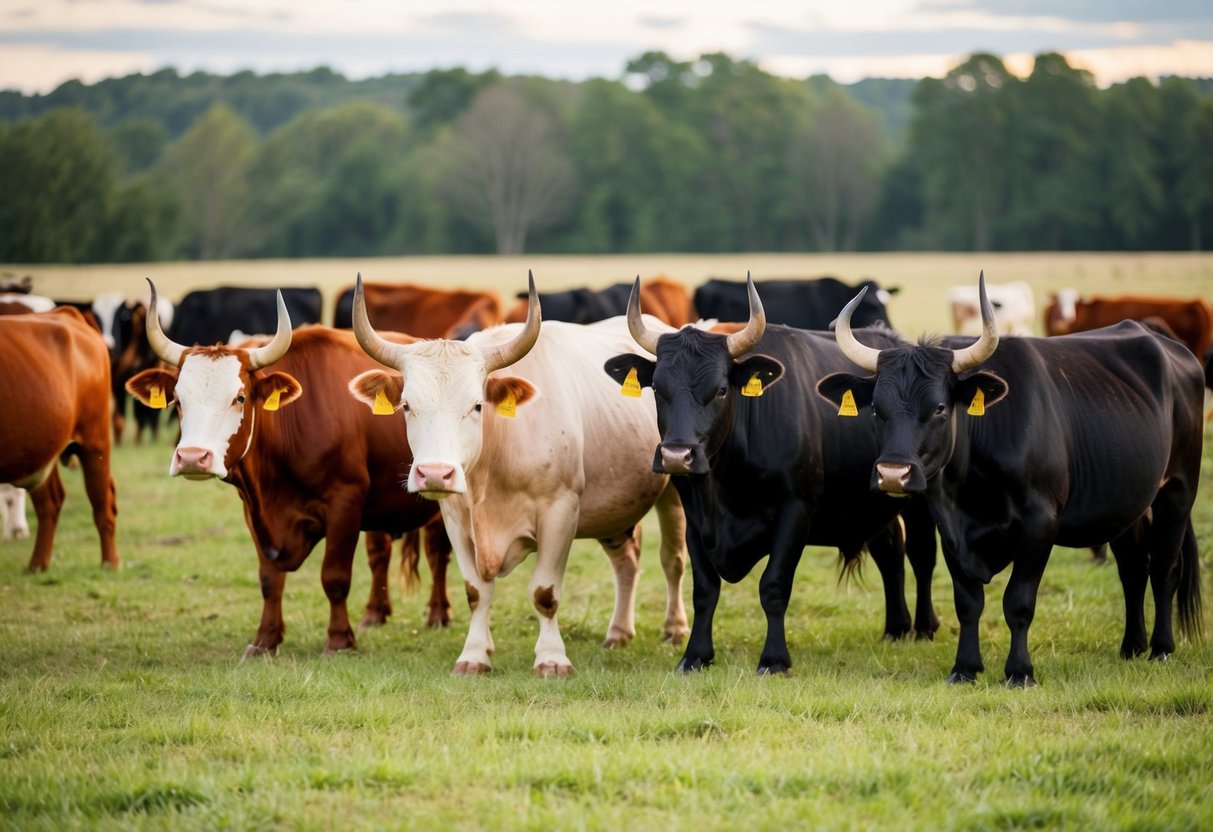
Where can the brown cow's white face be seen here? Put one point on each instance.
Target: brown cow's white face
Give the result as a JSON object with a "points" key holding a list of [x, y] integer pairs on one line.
{"points": [[214, 402]]}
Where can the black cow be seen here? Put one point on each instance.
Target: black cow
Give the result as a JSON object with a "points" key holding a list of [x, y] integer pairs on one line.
{"points": [[763, 466], [802, 303], [1073, 440], [583, 306], [209, 316]]}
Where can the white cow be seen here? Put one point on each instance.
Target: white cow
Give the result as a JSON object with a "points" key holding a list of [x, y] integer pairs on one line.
{"points": [[1014, 308], [527, 462], [13, 523]]}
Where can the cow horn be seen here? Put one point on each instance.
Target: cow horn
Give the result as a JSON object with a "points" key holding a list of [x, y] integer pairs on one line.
{"points": [[277, 347], [859, 354], [972, 356], [506, 354], [374, 345], [165, 349], [739, 343], [643, 336]]}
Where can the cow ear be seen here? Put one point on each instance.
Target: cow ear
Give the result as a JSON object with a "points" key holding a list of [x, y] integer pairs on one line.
{"points": [[379, 390], [993, 390], [620, 366], [155, 387], [835, 387], [277, 389], [497, 390], [762, 367]]}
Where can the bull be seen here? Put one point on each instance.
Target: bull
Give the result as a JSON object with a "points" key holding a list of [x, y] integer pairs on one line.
{"points": [[802, 303]]}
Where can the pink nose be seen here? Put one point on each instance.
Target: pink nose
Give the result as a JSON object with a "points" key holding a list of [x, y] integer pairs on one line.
{"points": [[436, 476], [893, 478], [676, 460], [194, 460]]}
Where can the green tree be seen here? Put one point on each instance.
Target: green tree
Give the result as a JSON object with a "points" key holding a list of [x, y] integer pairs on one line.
{"points": [[1196, 190], [443, 95], [1133, 194], [138, 144]]}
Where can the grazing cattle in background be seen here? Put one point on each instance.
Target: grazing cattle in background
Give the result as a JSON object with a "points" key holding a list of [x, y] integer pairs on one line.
{"points": [[763, 467], [9, 282], [1070, 441], [21, 303], [13, 524], [208, 316], [1190, 319], [1014, 308], [422, 311], [321, 468], [802, 303], [126, 325], [54, 394], [1209, 384], [527, 462], [662, 297]]}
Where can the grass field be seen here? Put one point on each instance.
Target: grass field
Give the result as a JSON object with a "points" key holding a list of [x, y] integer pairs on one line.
{"points": [[124, 703]]}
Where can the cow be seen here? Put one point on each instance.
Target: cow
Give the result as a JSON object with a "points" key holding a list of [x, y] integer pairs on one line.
{"points": [[1190, 318], [54, 394], [423, 311], [1014, 306], [306, 469], [1025, 443], [208, 316], [1208, 384], [763, 468], [20, 303], [526, 463], [796, 302], [662, 297], [13, 524]]}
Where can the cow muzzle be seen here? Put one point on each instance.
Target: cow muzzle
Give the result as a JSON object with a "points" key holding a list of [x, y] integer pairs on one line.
{"points": [[893, 478], [434, 480], [195, 463], [678, 459]]}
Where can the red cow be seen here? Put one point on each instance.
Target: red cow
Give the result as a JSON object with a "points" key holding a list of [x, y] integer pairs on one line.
{"points": [[423, 311], [1191, 319]]}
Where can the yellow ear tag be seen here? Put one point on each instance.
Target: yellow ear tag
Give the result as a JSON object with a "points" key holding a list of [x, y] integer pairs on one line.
{"points": [[382, 406], [274, 400], [157, 399], [848, 407], [631, 385], [508, 406], [978, 406], [753, 387]]}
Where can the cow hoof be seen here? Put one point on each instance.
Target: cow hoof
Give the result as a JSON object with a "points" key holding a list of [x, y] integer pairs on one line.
{"points": [[438, 619], [21, 534], [336, 651], [550, 670], [691, 664], [1021, 680], [675, 635], [256, 650], [1131, 651], [960, 677], [776, 669], [1159, 656], [372, 619], [470, 669], [616, 640], [895, 636], [924, 635]]}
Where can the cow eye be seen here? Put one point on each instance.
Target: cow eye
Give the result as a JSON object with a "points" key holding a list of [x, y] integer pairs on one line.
{"points": [[239, 399], [723, 391], [479, 406], [941, 409], [404, 406]]}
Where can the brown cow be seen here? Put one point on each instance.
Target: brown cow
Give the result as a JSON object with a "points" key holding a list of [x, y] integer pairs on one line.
{"points": [[323, 467], [423, 311], [662, 297], [55, 397], [1191, 319]]}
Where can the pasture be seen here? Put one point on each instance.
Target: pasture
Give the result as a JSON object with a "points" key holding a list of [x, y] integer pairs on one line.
{"points": [[124, 703]]}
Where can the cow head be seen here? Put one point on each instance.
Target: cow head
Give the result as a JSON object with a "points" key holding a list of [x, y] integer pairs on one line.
{"points": [[218, 391], [443, 389], [915, 396], [697, 378]]}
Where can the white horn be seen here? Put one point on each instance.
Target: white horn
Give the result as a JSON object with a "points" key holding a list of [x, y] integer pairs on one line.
{"points": [[506, 354], [276, 348], [165, 349], [739, 343], [374, 345], [983, 348], [864, 356], [645, 337]]}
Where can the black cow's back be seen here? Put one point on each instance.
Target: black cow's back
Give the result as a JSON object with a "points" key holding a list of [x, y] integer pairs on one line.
{"points": [[801, 303], [209, 316]]}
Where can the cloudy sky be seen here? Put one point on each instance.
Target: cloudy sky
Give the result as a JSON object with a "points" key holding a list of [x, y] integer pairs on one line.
{"points": [[45, 42]]}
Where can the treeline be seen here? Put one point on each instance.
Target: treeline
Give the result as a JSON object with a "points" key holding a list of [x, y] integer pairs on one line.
{"points": [[708, 155]]}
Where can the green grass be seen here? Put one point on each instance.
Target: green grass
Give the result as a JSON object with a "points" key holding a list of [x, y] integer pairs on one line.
{"points": [[124, 703]]}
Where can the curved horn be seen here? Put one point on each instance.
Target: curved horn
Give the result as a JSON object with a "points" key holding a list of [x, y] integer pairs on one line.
{"points": [[970, 357], [503, 356], [373, 344], [645, 337], [166, 350], [859, 354], [739, 343], [276, 348]]}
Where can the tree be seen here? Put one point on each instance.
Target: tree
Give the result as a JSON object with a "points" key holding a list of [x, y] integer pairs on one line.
{"points": [[511, 174], [1196, 190], [1132, 194]]}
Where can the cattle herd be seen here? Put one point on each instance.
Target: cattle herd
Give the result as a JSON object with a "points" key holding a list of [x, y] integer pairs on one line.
{"points": [[753, 418]]}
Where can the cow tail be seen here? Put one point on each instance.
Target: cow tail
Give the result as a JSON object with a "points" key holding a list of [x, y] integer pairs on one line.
{"points": [[850, 565], [1191, 608], [410, 559]]}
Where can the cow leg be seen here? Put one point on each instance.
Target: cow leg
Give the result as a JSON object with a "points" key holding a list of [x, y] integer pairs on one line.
{"points": [[336, 571], [1019, 608], [1133, 564], [624, 552], [272, 628], [48, 500], [102, 495], [379, 558], [1165, 533], [970, 598], [705, 594], [921, 552], [478, 646], [775, 589], [888, 553], [438, 556], [554, 536], [673, 524]]}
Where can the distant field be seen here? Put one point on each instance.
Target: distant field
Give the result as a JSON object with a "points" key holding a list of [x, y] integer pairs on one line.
{"points": [[124, 703], [923, 277]]}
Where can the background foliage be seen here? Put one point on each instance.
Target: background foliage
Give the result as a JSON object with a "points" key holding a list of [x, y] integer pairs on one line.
{"points": [[709, 155]]}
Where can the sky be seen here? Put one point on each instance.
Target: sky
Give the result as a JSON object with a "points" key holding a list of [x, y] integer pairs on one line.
{"points": [[46, 42]]}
